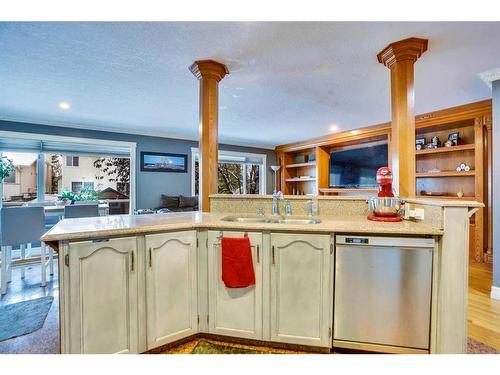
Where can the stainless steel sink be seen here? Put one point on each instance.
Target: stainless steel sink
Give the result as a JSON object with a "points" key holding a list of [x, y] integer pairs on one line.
{"points": [[246, 219], [278, 220], [299, 221]]}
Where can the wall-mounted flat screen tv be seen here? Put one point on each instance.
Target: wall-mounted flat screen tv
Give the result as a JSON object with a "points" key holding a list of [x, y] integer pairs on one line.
{"points": [[357, 168]]}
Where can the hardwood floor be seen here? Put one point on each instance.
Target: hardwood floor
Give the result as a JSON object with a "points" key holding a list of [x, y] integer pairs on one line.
{"points": [[484, 312]]}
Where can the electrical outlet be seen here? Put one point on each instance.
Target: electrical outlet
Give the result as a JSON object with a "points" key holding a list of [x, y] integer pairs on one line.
{"points": [[419, 213]]}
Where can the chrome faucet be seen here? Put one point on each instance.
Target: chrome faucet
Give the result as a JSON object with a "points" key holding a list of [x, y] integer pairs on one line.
{"points": [[288, 208], [277, 195], [310, 208]]}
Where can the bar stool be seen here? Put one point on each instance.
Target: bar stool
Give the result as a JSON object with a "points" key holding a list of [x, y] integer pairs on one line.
{"points": [[21, 226], [72, 211]]}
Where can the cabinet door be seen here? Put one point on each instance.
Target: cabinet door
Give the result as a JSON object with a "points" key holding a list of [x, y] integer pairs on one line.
{"points": [[234, 311], [103, 296], [301, 290], [171, 287]]}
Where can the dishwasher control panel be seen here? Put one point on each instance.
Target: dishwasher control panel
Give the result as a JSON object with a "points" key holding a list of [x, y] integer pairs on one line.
{"points": [[360, 240], [356, 240]]}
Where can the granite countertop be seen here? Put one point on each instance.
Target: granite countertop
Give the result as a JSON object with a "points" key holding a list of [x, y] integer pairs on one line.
{"points": [[435, 201], [128, 225]]}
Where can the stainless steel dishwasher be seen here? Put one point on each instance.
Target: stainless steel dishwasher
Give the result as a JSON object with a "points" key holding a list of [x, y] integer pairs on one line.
{"points": [[383, 292]]}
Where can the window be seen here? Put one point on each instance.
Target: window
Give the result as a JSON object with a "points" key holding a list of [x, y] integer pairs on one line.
{"points": [[88, 185], [252, 178], [21, 184], [238, 173], [72, 161], [230, 178], [59, 163], [76, 187]]}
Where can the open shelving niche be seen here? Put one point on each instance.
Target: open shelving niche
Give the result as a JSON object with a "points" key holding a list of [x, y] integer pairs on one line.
{"points": [[313, 165], [446, 159]]}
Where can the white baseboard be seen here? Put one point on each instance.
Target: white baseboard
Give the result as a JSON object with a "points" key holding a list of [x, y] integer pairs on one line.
{"points": [[495, 292]]}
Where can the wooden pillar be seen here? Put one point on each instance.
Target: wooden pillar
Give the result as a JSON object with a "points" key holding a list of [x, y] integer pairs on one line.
{"points": [[209, 73], [400, 57]]}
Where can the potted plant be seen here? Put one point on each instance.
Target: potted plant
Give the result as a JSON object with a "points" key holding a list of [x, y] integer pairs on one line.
{"points": [[86, 195], [6, 167], [65, 198]]}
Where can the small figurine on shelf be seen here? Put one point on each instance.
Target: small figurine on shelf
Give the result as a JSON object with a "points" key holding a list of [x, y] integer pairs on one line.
{"points": [[419, 143], [435, 142], [454, 138], [463, 168]]}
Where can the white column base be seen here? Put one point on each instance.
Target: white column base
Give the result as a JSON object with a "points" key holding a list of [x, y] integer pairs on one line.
{"points": [[495, 292]]}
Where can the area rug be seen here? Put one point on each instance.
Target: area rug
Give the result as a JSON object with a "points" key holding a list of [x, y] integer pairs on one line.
{"points": [[207, 347], [476, 347], [24, 317]]}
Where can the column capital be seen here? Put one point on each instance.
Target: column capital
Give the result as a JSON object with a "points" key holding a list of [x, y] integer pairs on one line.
{"points": [[404, 50], [209, 69]]}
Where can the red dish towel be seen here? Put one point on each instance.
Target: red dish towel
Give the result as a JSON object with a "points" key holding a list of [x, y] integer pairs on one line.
{"points": [[237, 265]]}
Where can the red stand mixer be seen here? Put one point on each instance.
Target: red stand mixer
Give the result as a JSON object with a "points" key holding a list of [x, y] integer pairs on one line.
{"points": [[385, 207]]}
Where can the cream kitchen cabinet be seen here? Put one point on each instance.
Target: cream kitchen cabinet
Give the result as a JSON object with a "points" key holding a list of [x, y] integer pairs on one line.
{"points": [[234, 312], [171, 287], [133, 294], [301, 289], [103, 293]]}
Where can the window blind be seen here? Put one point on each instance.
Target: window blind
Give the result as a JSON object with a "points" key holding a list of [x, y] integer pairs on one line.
{"points": [[62, 147]]}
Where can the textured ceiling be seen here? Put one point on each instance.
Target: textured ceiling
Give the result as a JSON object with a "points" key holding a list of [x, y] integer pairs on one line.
{"points": [[289, 81]]}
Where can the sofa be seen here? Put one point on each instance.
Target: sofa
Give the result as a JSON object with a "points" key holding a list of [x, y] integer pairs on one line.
{"points": [[178, 203]]}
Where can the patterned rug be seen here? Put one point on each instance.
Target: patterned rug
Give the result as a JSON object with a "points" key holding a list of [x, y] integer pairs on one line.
{"points": [[476, 347], [21, 318], [209, 346]]}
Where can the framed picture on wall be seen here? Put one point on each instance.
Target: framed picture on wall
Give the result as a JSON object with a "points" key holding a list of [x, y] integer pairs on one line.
{"points": [[160, 162]]}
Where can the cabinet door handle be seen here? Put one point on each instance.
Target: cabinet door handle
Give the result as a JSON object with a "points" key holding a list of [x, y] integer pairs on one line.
{"points": [[272, 251], [132, 261], [150, 258], [258, 254]]}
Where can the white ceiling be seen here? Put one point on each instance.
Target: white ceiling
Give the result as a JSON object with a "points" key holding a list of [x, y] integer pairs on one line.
{"points": [[289, 81]]}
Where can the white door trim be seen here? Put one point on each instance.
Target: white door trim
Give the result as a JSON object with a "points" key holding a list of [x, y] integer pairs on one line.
{"points": [[495, 292]]}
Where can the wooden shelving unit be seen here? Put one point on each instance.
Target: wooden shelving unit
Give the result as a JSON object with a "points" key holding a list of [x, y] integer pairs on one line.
{"points": [[473, 122]]}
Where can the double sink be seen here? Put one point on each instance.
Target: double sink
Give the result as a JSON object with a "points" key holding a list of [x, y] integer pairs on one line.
{"points": [[272, 220]]}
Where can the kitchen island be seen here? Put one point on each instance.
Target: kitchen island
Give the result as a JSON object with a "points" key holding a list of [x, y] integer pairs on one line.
{"points": [[131, 284]]}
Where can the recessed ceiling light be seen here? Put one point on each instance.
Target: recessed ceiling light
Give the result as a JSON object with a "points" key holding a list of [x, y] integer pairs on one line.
{"points": [[334, 128], [64, 105]]}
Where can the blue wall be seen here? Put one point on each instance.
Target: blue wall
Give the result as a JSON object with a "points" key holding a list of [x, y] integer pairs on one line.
{"points": [[496, 183], [149, 185]]}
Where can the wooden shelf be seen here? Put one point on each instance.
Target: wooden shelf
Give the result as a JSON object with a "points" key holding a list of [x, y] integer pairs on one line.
{"points": [[445, 149], [349, 190], [300, 165], [296, 179], [445, 174], [451, 197]]}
